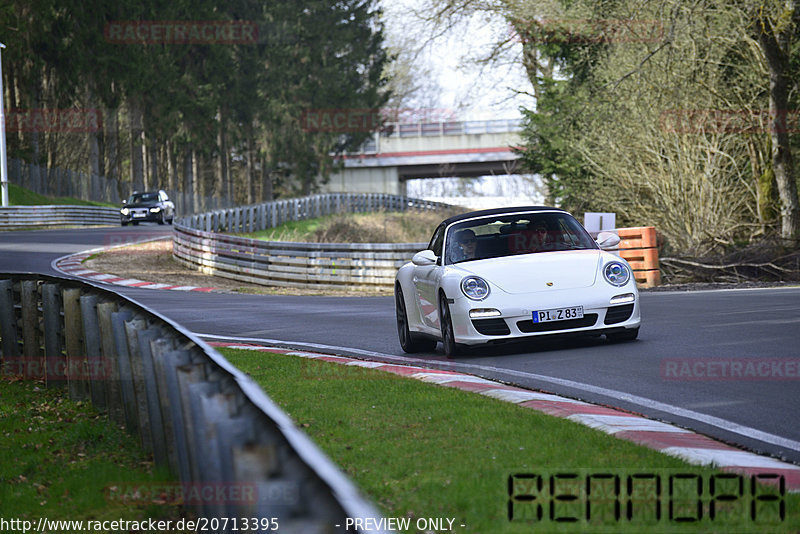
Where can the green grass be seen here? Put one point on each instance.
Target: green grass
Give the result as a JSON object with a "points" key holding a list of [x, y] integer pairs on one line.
{"points": [[291, 230], [375, 227], [18, 196], [420, 450], [60, 459]]}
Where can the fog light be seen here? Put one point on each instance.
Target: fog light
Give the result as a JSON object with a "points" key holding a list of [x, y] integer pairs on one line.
{"points": [[622, 299], [480, 313]]}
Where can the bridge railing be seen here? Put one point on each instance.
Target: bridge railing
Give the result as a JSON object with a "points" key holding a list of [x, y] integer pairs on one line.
{"points": [[199, 243], [440, 128], [210, 424], [423, 129]]}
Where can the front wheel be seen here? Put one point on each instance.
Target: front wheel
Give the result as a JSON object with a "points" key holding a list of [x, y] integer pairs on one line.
{"points": [[448, 335], [408, 341]]}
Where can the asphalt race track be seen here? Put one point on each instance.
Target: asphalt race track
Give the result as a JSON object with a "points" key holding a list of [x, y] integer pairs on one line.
{"points": [[665, 374]]}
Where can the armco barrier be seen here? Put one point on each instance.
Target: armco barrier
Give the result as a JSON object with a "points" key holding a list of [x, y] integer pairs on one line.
{"points": [[23, 217], [199, 416], [197, 244], [638, 246]]}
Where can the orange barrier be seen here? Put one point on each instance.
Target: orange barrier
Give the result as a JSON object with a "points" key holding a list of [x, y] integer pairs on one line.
{"points": [[638, 247]]}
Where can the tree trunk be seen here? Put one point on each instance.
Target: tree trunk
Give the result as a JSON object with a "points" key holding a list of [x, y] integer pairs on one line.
{"points": [[197, 181], [267, 194], [188, 177], [137, 145], [112, 145], [221, 168], [776, 52], [172, 171], [250, 166], [152, 164]]}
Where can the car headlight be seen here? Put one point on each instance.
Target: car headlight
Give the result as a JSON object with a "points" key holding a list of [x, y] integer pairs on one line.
{"points": [[124, 211], [617, 273], [155, 210], [475, 288]]}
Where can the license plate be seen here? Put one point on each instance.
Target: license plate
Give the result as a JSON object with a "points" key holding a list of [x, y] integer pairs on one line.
{"points": [[558, 314], [140, 215]]}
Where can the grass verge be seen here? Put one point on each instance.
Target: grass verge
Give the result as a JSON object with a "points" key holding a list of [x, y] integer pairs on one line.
{"points": [[18, 196], [376, 227], [422, 451], [60, 459]]}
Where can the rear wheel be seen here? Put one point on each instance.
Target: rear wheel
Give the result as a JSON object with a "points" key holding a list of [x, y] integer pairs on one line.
{"points": [[627, 335], [408, 341], [448, 336]]}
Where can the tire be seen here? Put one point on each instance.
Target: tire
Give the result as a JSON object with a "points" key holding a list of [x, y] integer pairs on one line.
{"points": [[161, 218], [169, 221], [446, 322], [123, 223], [408, 341], [627, 335]]}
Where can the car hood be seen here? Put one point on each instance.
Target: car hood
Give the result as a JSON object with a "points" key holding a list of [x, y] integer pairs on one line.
{"points": [[567, 269]]}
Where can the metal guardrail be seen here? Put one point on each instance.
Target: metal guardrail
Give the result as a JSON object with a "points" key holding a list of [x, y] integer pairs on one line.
{"points": [[198, 244], [23, 217], [208, 422]]}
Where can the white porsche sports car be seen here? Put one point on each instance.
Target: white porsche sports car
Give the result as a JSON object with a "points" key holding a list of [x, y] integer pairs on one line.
{"points": [[501, 275]]}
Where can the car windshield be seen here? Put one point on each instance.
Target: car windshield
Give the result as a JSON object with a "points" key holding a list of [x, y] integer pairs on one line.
{"points": [[142, 197], [510, 235]]}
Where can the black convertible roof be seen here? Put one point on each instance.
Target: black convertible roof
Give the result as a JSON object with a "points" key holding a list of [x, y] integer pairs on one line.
{"points": [[498, 211]]}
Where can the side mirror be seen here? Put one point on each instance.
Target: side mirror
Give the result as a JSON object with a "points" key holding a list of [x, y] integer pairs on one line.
{"points": [[424, 258], [124, 200], [607, 240]]}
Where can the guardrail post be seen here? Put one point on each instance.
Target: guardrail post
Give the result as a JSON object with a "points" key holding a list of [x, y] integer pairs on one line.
{"points": [[132, 328], [186, 376], [145, 340], [109, 350], [54, 368], [201, 440], [234, 433], [98, 367], [31, 348], [166, 361], [119, 321], [8, 324], [73, 341]]}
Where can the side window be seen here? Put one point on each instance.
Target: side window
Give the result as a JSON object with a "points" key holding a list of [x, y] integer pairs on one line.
{"points": [[436, 241], [162, 196]]}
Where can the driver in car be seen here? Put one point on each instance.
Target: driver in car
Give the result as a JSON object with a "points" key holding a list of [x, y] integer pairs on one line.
{"points": [[466, 243]]}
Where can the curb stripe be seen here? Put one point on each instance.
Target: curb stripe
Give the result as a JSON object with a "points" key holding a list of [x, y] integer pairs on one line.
{"points": [[73, 265]]}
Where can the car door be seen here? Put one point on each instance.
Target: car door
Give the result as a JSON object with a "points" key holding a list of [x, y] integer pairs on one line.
{"points": [[425, 280]]}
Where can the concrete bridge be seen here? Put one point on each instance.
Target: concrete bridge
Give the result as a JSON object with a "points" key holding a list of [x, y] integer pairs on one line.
{"points": [[406, 151]]}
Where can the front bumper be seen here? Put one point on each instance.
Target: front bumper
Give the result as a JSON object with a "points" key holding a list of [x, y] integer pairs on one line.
{"points": [[140, 215], [516, 315]]}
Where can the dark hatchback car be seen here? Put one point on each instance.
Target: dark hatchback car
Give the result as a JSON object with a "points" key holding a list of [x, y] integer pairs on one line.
{"points": [[149, 206]]}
